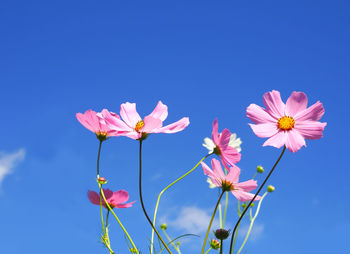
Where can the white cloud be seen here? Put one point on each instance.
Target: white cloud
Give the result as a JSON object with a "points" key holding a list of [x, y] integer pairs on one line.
{"points": [[8, 161], [256, 232], [191, 219]]}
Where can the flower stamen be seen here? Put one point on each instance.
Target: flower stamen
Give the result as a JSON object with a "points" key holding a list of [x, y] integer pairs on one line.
{"points": [[227, 186], [139, 125], [286, 123]]}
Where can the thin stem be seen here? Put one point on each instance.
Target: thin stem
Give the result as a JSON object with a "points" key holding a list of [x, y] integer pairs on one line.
{"points": [[225, 211], [211, 221], [221, 244], [141, 200], [252, 223], [116, 217], [98, 158], [161, 193], [220, 216], [239, 214], [208, 250], [171, 241], [107, 235], [256, 194]]}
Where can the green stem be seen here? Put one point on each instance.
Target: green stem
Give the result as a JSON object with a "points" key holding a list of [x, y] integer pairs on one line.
{"points": [[256, 194], [211, 221], [172, 242], [221, 244], [225, 211], [239, 214], [252, 223], [220, 216], [141, 200], [208, 250], [161, 193], [116, 217]]}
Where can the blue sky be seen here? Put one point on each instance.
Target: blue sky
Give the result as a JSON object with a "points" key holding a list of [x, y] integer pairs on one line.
{"points": [[204, 59]]}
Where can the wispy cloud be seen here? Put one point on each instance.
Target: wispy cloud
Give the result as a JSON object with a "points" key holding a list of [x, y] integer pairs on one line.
{"points": [[8, 161], [190, 219]]}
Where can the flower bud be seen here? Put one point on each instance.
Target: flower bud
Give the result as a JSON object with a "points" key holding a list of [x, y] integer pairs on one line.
{"points": [[178, 243], [260, 169], [102, 180], [221, 233], [244, 205], [164, 226], [214, 244], [133, 250], [270, 188]]}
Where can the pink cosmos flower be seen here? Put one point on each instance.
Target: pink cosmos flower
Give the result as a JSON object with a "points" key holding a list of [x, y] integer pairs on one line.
{"points": [[114, 199], [94, 122], [230, 182], [286, 124], [224, 144], [133, 126]]}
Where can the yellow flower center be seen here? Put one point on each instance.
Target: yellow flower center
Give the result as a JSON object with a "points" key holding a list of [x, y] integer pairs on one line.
{"points": [[286, 123], [227, 186], [102, 136], [139, 125]]}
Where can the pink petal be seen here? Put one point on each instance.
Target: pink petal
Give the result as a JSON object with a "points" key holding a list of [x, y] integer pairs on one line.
{"points": [[244, 196], [120, 196], [224, 138], [310, 129], [233, 174], [207, 171], [259, 115], [264, 130], [127, 205], [278, 140], [89, 120], [274, 104], [312, 113], [151, 124], [108, 194], [215, 136], [129, 114], [174, 127], [230, 156], [248, 185], [294, 141], [114, 123], [160, 112], [215, 164], [94, 197], [296, 103]]}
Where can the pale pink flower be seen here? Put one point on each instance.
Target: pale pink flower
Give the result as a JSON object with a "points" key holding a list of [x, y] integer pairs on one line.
{"points": [[133, 126], [286, 124], [94, 122], [230, 182], [114, 199], [224, 144]]}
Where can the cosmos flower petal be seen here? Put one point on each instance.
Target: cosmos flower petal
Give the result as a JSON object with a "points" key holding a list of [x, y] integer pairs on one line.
{"points": [[174, 127], [207, 171], [235, 142], [215, 132], [160, 112], [233, 174], [129, 114], [294, 141], [312, 113], [278, 140], [264, 130], [126, 205], [244, 196], [310, 129], [248, 185], [209, 144], [89, 120], [259, 115], [230, 156], [217, 169], [94, 197], [115, 123], [151, 124], [224, 139], [297, 102], [120, 196], [108, 193], [274, 104]]}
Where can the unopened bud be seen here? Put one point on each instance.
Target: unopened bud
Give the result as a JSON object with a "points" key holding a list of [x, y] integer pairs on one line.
{"points": [[178, 243], [270, 188], [214, 244], [133, 250], [260, 169], [222, 233], [102, 180], [164, 226]]}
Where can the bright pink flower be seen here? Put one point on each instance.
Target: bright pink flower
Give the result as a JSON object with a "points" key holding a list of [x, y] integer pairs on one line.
{"points": [[94, 122], [286, 124], [230, 182], [220, 144], [114, 199], [133, 126]]}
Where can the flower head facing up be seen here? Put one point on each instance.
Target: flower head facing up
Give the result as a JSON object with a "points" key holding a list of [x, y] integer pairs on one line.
{"points": [[94, 122], [230, 182], [225, 145], [133, 126], [286, 124], [214, 244], [114, 199]]}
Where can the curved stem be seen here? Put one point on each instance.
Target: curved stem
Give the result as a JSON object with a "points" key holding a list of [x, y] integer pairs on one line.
{"points": [[208, 250], [172, 242], [141, 200], [116, 217], [161, 193], [256, 194], [252, 223], [211, 221]]}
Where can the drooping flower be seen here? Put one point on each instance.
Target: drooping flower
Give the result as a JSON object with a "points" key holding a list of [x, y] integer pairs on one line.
{"points": [[230, 182], [114, 199], [224, 144], [286, 124], [133, 126], [94, 122]]}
